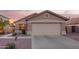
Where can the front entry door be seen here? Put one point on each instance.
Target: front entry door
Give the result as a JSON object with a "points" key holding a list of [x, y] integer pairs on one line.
{"points": [[73, 28]]}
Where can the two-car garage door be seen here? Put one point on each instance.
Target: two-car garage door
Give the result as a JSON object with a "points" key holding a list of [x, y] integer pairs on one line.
{"points": [[46, 29]]}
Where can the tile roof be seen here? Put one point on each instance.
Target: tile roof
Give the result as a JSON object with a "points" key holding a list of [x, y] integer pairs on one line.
{"points": [[48, 11], [37, 14], [73, 21], [29, 16]]}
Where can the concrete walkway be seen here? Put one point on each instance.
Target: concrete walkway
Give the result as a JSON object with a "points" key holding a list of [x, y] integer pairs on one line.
{"points": [[6, 35], [58, 42], [9, 36]]}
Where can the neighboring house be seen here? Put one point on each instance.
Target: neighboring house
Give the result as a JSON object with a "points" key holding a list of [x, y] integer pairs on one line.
{"points": [[4, 21], [3, 18], [72, 25]]}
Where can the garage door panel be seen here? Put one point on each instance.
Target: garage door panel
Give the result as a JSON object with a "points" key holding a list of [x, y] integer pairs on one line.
{"points": [[45, 29]]}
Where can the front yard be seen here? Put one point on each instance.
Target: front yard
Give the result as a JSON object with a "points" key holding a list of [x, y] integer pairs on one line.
{"points": [[21, 42]]}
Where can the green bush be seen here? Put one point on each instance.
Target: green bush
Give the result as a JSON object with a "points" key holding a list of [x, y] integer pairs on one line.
{"points": [[10, 46]]}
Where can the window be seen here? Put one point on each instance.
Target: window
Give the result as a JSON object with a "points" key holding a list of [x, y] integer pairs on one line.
{"points": [[21, 26]]}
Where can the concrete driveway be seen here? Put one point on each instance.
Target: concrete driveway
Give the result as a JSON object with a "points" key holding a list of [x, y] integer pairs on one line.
{"points": [[58, 42]]}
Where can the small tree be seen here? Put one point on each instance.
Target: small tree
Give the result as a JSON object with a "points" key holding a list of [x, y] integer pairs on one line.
{"points": [[3, 24]]}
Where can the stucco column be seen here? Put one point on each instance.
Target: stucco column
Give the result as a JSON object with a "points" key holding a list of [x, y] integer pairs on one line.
{"points": [[29, 28], [63, 29]]}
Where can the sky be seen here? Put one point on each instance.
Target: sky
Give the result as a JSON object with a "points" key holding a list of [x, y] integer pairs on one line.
{"points": [[17, 14]]}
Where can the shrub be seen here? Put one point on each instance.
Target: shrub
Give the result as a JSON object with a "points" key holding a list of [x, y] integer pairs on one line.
{"points": [[10, 46]]}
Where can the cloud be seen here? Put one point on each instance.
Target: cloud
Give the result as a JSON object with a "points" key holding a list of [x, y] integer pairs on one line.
{"points": [[17, 14]]}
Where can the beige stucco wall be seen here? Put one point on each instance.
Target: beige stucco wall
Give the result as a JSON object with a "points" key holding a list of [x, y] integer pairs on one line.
{"points": [[43, 16], [69, 30], [63, 28]]}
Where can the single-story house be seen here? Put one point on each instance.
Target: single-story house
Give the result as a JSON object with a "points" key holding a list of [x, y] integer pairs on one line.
{"points": [[43, 23], [47, 23], [72, 25]]}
